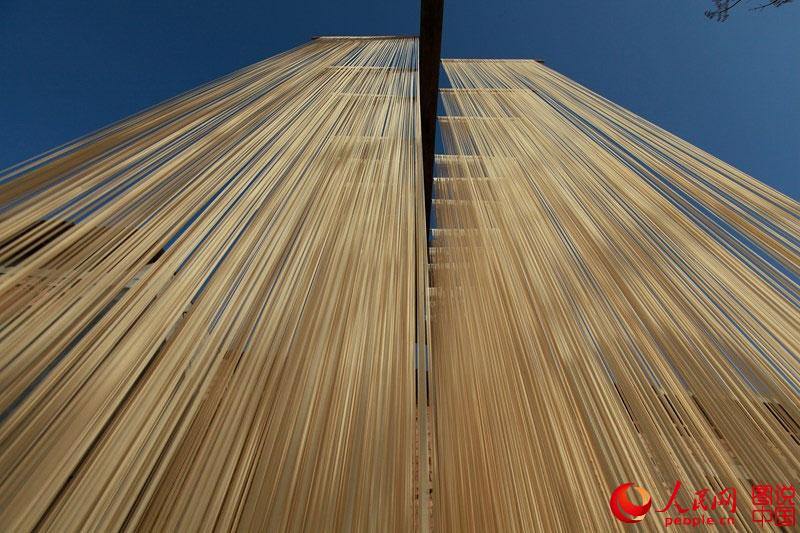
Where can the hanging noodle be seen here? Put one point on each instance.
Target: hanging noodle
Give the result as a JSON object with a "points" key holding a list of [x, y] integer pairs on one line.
{"points": [[609, 304], [211, 312], [208, 311]]}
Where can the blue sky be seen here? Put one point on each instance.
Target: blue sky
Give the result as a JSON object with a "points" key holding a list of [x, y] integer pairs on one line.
{"points": [[733, 88]]}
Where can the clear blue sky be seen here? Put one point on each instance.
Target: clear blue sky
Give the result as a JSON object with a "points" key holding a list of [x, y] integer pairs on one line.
{"points": [[733, 88]]}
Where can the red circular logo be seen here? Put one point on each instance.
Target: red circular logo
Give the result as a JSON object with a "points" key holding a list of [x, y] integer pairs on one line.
{"points": [[624, 509]]}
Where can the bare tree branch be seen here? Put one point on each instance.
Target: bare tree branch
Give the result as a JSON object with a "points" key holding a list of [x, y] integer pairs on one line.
{"points": [[723, 8]]}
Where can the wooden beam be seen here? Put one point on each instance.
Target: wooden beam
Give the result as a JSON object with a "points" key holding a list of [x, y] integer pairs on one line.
{"points": [[430, 54]]}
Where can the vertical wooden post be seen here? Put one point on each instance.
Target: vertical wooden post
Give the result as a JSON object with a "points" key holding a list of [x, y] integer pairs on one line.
{"points": [[430, 52], [430, 56]]}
